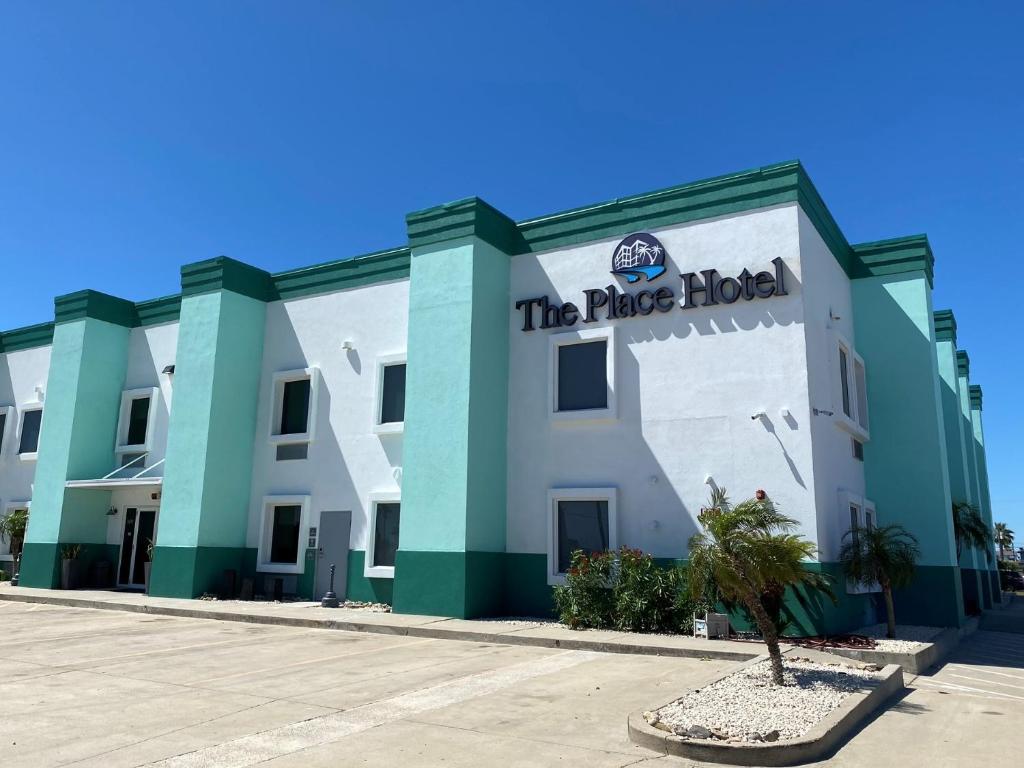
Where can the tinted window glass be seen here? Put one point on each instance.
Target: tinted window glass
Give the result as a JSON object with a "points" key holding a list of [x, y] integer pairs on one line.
{"points": [[284, 542], [292, 451], [845, 379], [862, 394], [385, 533], [138, 420], [582, 376], [30, 421], [295, 407], [581, 525], [3, 425], [392, 396]]}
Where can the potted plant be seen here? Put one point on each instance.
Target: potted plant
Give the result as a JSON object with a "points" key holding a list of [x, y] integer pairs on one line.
{"points": [[70, 566], [12, 529], [147, 566]]}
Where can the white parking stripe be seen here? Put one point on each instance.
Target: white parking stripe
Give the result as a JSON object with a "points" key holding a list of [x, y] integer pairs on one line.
{"points": [[276, 742], [967, 689], [987, 682], [983, 671]]}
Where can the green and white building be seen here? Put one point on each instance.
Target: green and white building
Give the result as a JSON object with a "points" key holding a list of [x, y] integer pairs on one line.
{"points": [[446, 420]]}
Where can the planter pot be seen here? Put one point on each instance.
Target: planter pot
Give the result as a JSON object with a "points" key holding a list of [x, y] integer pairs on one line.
{"points": [[147, 567], [70, 574]]}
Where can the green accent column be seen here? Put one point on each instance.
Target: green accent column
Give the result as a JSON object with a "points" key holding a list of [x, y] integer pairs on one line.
{"points": [[905, 463], [452, 536], [985, 499], [76, 442], [204, 510]]}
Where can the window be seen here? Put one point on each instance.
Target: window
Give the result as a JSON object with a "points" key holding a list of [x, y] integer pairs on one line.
{"points": [[858, 449], [135, 426], [6, 421], [851, 390], [28, 435], [293, 411], [382, 535], [858, 516], [583, 375], [281, 534], [579, 518], [390, 412]]}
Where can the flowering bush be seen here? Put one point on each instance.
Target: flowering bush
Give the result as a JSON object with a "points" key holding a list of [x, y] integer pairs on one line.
{"points": [[585, 601]]}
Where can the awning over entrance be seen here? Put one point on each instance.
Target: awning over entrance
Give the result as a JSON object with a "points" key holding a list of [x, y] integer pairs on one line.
{"points": [[128, 476]]}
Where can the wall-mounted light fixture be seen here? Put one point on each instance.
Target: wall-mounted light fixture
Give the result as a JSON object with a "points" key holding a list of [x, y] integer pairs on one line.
{"points": [[169, 369], [112, 512], [40, 393], [348, 345]]}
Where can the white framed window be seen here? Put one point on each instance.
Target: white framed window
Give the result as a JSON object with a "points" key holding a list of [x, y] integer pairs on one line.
{"points": [[384, 511], [283, 527], [293, 408], [856, 514], [389, 408], [135, 424], [579, 518], [29, 427], [5, 543], [7, 423], [582, 377], [851, 396]]}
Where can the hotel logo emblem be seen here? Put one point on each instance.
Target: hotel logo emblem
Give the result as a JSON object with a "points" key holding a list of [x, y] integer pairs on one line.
{"points": [[639, 255]]}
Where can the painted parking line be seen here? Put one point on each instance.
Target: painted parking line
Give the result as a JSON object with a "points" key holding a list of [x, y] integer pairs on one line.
{"points": [[987, 682], [983, 671], [277, 742], [982, 693]]}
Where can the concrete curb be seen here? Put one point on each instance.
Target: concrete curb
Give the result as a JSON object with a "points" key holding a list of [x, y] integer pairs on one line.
{"points": [[913, 663], [820, 741], [430, 631]]}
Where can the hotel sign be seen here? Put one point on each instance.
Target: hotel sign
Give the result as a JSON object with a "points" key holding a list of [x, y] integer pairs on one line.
{"points": [[641, 257]]}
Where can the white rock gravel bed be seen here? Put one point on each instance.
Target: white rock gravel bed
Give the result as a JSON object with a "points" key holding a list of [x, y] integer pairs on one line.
{"points": [[745, 706], [910, 638]]}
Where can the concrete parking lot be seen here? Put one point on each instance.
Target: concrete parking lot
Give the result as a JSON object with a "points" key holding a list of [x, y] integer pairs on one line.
{"points": [[99, 688]]}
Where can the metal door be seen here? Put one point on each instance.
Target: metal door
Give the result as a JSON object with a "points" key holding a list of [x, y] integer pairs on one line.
{"points": [[332, 539]]}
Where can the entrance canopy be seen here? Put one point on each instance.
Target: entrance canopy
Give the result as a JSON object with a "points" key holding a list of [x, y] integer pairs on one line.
{"points": [[127, 476]]}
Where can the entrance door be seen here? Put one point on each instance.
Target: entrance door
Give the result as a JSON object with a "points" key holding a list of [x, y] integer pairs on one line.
{"points": [[139, 525], [333, 537]]}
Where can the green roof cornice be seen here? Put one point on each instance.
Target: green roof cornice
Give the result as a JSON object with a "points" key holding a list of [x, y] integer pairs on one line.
{"points": [[963, 363], [392, 264], [471, 217], [157, 311], [896, 256], [30, 336], [945, 325], [975, 391], [99, 306], [225, 274]]}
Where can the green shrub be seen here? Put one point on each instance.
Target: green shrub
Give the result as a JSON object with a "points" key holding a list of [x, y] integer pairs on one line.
{"points": [[585, 600], [644, 593]]}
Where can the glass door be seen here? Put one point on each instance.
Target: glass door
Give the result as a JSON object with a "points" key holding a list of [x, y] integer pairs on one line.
{"points": [[139, 526]]}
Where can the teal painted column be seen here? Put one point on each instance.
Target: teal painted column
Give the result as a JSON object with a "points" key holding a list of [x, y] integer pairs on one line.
{"points": [[204, 510], [985, 499], [956, 452], [76, 441], [905, 462], [452, 535]]}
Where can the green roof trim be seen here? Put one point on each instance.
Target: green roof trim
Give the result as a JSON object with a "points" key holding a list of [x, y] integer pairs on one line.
{"points": [[226, 274], [157, 311], [975, 391], [470, 217], [896, 256], [378, 267], [94, 304], [945, 325], [39, 335], [963, 363]]}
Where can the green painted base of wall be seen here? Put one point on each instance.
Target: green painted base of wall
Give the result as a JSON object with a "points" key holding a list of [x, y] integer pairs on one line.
{"points": [[458, 584], [934, 599], [985, 584], [192, 571], [995, 587], [974, 592], [526, 588], [40, 566], [358, 587]]}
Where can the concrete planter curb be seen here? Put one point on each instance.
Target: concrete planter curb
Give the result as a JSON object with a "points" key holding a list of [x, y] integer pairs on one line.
{"points": [[435, 630], [820, 741], [913, 663]]}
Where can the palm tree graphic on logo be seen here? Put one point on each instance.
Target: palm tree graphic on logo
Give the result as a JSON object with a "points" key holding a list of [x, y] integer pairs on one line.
{"points": [[639, 255]]}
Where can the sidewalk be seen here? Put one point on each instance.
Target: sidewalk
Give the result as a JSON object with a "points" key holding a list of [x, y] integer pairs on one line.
{"points": [[311, 615]]}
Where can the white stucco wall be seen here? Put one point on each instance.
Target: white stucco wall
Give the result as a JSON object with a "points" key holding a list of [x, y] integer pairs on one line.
{"points": [[828, 311], [150, 350], [688, 383], [347, 461]]}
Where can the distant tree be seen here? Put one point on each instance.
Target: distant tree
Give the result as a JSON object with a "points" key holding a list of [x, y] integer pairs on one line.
{"points": [[885, 556], [746, 551], [970, 530], [1004, 538]]}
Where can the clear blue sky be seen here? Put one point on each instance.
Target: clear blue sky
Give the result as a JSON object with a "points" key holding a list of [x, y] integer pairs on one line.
{"points": [[138, 136]]}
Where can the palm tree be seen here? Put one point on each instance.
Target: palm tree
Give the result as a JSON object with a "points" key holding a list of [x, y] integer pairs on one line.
{"points": [[883, 555], [12, 527], [1004, 538], [744, 551], [970, 529]]}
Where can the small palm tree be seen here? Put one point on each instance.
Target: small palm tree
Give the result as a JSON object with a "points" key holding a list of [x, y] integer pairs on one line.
{"points": [[885, 556], [12, 528], [969, 529], [1003, 537], [745, 551]]}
